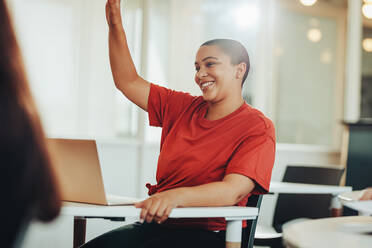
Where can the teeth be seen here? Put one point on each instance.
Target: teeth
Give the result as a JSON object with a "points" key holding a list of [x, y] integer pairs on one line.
{"points": [[206, 84]]}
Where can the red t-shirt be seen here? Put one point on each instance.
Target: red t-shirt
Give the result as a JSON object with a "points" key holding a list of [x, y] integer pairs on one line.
{"points": [[196, 151]]}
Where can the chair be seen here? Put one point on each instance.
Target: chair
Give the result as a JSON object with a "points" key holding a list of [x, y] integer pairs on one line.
{"points": [[359, 158], [249, 231], [290, 207]]}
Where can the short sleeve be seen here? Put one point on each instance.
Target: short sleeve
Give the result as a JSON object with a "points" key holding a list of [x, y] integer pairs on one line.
{"points": [[165, 104], [254, 158]]}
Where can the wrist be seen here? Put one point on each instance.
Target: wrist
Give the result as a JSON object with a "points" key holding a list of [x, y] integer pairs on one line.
{"points": [[181, 196], [116, 27]]}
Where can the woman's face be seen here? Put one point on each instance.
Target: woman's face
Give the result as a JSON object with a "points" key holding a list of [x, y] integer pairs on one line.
{"points": [[215, 75]]}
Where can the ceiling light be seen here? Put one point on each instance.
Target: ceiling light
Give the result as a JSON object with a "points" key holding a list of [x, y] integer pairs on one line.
{"points": [[326, 57], [367, 45], [278, 50], [308, 2], [314, 35], [367, 10]]}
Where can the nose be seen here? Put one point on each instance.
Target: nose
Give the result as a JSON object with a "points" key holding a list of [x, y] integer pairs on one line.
{"points": [[201, 73]]}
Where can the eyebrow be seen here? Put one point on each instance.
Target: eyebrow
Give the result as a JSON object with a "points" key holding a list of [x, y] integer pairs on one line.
{"points": [[210, 57]]}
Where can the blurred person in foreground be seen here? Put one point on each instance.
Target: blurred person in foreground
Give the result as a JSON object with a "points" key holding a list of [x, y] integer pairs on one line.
{"points": [[27, 184]]}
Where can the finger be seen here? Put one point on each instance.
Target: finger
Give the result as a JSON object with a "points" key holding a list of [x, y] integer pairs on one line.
{"points": [[118, 2], [166, 214], [146, 205], [367, 195], [114, 3], [159, 214], [152, 211], [139, 204], [113, 7], [113, 15]]}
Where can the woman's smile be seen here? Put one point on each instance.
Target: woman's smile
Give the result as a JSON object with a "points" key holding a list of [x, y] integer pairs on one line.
{"points": [[206, 85]]}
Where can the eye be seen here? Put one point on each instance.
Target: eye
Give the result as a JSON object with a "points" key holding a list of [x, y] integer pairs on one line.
{"points": [[197, 68], [209, 64]]}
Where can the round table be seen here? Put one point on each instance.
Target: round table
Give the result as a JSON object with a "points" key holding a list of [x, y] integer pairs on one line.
{"points": [[340, 232]]}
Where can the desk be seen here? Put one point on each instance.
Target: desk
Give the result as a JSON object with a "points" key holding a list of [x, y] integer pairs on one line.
{"points": [[233, 215], [351, 200], [268, 232], [342, 232], [302, 188]]}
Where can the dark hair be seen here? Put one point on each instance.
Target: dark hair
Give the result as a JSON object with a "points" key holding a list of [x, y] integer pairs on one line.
{"points": [[26, 181], [234, 49]]}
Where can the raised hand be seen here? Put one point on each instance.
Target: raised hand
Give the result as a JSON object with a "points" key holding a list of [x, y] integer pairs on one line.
{"points": [[113, 13]]}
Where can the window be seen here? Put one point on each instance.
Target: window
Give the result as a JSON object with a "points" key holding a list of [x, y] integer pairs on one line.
{"points": [[366, 104], [297, 61], [297, 56], [64, 44], [175, 30], [306, 79], [309, 72]]}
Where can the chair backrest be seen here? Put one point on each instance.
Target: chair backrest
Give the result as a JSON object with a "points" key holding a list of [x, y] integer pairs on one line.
{"points": [[249, 231], [359, 157], [293, 206], [313, 175]]}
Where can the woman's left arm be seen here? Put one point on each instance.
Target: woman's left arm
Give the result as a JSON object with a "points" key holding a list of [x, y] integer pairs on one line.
{"points": [[228, 192]]}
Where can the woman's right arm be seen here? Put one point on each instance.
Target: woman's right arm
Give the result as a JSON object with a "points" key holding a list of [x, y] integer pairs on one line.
{"points": [[126, 78]]}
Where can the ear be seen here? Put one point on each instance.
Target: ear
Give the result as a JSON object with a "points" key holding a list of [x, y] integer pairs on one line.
{"points": [[241, 69]]}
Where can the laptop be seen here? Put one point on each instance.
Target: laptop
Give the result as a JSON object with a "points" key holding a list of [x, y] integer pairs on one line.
{"points": [[78, 173]]}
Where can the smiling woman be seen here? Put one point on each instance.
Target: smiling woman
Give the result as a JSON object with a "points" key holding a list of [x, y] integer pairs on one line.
{"points": [[222, 66], [215, 150]]}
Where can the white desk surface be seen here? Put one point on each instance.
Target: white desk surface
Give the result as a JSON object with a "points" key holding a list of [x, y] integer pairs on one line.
{"points": [[340, 232], [91, 210], [351, 200], [364, 207], [302, 188]]}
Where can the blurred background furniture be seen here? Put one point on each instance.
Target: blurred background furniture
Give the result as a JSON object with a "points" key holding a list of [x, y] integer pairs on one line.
{"points": [[351, 200], [358, 156], [300, 202], [342, 232]]}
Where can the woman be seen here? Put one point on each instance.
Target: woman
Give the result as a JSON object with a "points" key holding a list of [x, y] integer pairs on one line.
{"points": [[216, 150], [27, 186]]}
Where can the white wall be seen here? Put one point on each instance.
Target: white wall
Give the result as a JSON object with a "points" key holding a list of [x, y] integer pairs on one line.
{"points": [[119, 160], [67, 62]]}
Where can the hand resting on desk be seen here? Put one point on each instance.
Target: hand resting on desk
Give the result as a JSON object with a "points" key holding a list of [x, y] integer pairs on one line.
{"points": [[367, 194], [228, 192]]}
